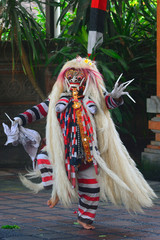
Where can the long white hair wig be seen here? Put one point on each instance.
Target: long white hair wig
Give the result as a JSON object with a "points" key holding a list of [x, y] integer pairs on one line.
{"points": [[120, 181]]}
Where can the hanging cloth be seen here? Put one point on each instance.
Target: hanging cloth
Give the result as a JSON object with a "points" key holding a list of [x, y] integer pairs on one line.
{"points": [[96, 28]]}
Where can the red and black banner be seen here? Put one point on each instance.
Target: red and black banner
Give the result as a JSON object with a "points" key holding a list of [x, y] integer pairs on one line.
{"points": [[96, 28]]}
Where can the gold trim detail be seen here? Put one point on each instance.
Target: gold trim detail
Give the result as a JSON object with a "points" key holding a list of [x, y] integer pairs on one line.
{"points": [[85, 138]]}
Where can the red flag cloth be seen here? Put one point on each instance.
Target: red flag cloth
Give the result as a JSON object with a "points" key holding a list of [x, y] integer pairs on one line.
{"points": [[96, 28], [100, 4]]}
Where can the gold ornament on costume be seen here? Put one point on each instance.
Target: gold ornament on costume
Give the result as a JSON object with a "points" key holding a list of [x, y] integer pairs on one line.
{"points": [[76, 103], [85, 138]]}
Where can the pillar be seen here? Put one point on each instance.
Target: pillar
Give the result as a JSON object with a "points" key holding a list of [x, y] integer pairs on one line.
{"points": [[52, 15], [151, 154]]}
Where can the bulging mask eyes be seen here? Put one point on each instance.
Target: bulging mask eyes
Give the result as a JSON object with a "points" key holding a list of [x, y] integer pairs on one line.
{"points": [[79, 78], [69, 77]]}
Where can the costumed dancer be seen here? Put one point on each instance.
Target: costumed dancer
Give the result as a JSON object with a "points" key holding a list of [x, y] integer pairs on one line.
{"points": [[84, 157]]}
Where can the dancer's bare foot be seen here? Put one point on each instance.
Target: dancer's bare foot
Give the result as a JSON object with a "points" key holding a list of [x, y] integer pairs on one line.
{"points": [[52, 203], [85, 225]]}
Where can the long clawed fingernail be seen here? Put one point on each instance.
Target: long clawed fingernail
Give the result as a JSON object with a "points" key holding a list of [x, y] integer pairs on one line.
{"points": [[131, 98], [116, 84], [128, 82]]}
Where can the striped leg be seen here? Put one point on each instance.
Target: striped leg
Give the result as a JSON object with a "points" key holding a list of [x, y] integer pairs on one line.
{"points": [[45, 168], [88, 189]]}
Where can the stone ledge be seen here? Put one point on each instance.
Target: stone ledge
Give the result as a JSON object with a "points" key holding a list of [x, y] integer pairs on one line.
{"points": [[155, 143], [151, 150], [153, 104]]}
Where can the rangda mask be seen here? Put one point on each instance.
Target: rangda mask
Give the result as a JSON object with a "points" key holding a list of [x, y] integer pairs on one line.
{"points": [[75, 78]]}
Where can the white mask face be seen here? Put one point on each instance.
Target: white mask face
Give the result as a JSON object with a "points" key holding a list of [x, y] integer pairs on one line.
{"points": [[75, 78]]}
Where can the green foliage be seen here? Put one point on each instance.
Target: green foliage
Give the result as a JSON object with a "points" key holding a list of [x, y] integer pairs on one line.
{"points": [[67, 16], [41, 20], [129, 47], [136, 40], [79, 9], [73, 46], [18, 24], [130, 32], [10, 227]]}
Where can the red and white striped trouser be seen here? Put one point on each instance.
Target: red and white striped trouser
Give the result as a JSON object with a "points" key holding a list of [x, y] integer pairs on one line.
{"points": [[88, 187], [45, 168], [89, 191]]}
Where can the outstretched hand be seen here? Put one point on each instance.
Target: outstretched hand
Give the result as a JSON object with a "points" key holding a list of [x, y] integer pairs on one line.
{"points": [[18, 120], [118, 90]]}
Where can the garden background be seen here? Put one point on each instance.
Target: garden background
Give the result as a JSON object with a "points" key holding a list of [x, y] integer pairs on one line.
{"points": [[30, 59]]}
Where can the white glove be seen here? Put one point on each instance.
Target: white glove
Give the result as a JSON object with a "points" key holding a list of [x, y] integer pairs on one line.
{"points": [[12, 134], [118, 90], [18, 120], [29, 138]]}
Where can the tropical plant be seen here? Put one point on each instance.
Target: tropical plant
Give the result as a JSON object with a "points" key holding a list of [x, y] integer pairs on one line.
{"points": [[66, 19], [129, 47], [17, 24], [40, 18], [80, 10], [72, 46]]}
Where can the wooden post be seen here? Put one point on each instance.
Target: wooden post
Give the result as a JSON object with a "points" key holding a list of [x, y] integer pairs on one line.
{"points": [[52, 15], [49, 21]]}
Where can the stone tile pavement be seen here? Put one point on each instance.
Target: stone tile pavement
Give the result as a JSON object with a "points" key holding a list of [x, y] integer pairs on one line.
{"points": [[18, 206]]}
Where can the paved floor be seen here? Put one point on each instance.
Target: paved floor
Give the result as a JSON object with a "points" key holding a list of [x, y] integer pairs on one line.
{"points": [[20, 207]]}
